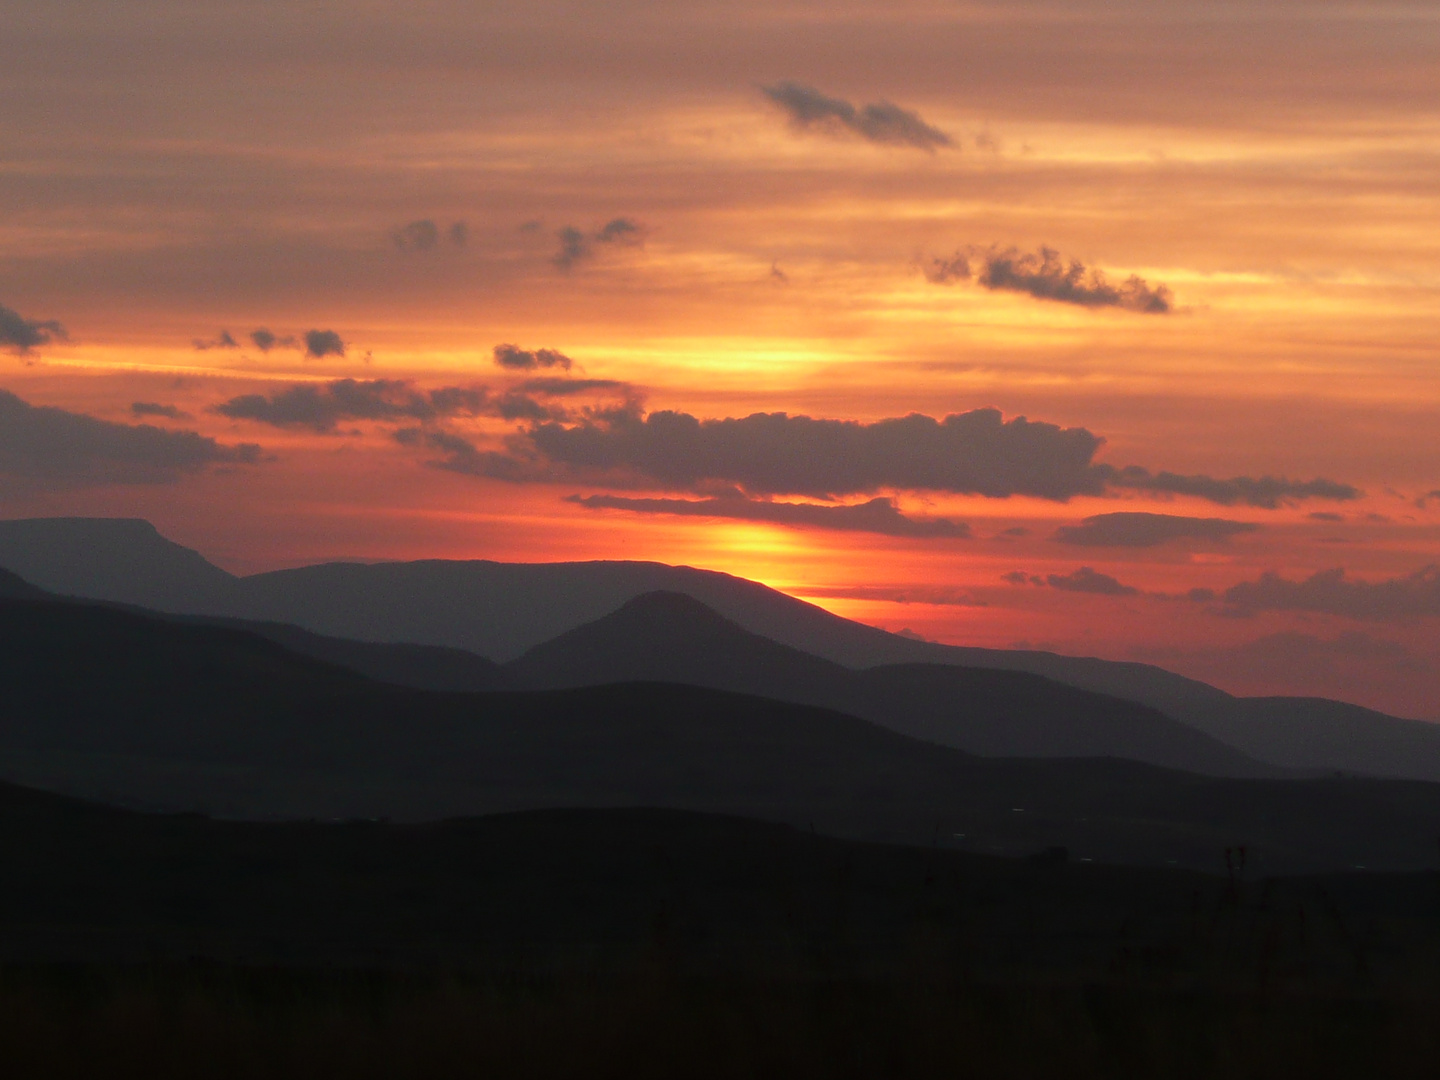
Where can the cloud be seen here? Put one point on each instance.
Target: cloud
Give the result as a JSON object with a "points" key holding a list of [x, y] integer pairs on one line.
{"points": [[1086, 580], [1325, 515], [1139, 530], [879, 515], [768, 454], [321, 408], [777, 454], [321, 343], [417, 236], [552, 387], [43, 444], [223, 340], [577, 246], [808, 110], [1046, 276], [151, 408], [1266, 492], [518, 359], [459, 234], [264, 340], [22, 336], [1333, 593]]}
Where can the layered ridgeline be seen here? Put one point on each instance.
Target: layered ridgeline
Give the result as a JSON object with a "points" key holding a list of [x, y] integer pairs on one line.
{"points": [[499, 611], [158, 713]]}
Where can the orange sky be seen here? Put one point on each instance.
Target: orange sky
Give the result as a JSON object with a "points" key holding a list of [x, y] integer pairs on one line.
{"points": [[790, 178]]}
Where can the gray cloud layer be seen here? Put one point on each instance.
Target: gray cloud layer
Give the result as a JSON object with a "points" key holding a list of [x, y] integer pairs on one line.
{"points": [[879, 515], [880, 122], [1331, 592], [1141, 530], [1046, 276], [52, 446], [21, 335]]}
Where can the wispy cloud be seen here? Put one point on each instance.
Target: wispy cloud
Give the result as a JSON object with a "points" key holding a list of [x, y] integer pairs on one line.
{"points": [[881, 122], [1084, 580], [576, 246], [1142, 530]]}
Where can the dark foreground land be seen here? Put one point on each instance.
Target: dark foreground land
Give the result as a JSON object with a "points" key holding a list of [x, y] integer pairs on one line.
{"points": [[643, 943]]}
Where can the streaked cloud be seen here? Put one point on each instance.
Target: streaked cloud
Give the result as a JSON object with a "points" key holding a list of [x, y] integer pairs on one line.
{"points": [[222, 340], [1142, 530], [881, 122], [153, 408], [1265, 492], [878, 515], [322, 407]]}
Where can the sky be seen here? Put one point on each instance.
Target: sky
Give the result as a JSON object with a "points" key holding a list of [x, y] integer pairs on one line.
{"points": [[1102, 327]]}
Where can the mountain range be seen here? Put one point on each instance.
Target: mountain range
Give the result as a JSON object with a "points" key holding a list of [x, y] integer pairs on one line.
{"points": [[468, 614], [157, 713]]}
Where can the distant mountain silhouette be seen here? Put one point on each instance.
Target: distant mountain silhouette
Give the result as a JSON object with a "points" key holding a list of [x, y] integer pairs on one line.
{"points": [[14, 587], [150, 712], [672, 637], [501, 610]]}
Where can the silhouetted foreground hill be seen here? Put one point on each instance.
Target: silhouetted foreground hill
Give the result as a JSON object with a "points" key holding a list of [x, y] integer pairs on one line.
{"points": [[672, 637], [652, 944], [499, 610], [86, 882], [146, 712]]}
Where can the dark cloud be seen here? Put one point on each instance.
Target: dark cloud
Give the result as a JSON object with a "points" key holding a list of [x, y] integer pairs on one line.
{"points": [[322, 407], [1266, 492], [776, 454], [22, 336], [46, 445], [766, 454], [879, 515], [421, 235], [222, 340], [576, 246], [459, 234], [1140, 530], [151, 408], [619, 231], [551, 387], [516, 405], [518, 359], [1325, 515], [879, 122], [265, 341], [1424, 500], [321, 343], [1332, 593], [1046, 276], [1086, 580]]}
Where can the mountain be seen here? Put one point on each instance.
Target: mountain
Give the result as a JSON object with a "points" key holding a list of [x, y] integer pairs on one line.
{"points": [[501, 610], [109, 704], [14, 587], [672, 637]]}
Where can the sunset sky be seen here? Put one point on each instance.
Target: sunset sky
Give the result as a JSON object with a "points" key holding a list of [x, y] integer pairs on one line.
{"points": [[893, 306]]}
